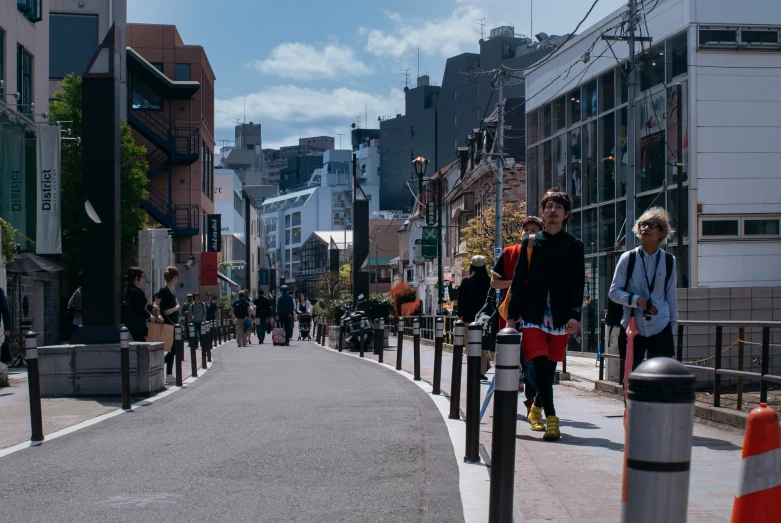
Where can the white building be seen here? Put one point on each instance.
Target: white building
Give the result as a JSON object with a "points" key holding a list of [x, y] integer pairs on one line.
{"points": [[228, 203], [708, 115]]}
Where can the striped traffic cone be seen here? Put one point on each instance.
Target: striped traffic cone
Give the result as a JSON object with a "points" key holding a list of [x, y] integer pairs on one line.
{"points": [[759, 488]]}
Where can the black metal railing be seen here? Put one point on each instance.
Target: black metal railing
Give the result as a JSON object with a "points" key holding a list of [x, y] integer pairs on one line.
{"points": [[181, 142]]}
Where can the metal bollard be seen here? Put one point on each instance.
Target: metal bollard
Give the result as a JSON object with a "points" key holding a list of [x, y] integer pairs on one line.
{"points": [[363, 339], [416, 347], [340, 342], [179, 354], [455, 379], [381, 343], [508, 357], [656, 469], [193, 357], [474, 347], [399, 341], [124, 358], [439, 339], [206, 341], [34, 386], [377, 335], [219, 332]]}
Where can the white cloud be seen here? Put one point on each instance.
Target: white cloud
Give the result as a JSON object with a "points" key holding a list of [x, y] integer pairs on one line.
{"points": [[444, 37], [396, 17], [300, 106], [302, 61]]}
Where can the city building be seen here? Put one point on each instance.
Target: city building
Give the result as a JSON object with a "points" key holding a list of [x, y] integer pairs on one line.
{"points": [[438, 120], [316, 258], [708, 83], [171, 111], [298, 172], [232, 207]]}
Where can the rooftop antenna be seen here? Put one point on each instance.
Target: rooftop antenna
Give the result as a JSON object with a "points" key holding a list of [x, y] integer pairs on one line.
{"points": [[245, 109], [405, 72], [340, 139], [482, 28], [418, 61]]}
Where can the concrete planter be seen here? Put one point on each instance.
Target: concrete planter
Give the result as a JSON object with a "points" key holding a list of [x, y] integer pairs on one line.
{"points": [[333, 336], [94, 370]]}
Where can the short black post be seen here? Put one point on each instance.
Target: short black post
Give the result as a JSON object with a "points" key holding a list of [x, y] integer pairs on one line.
{"points": [[124, 358], [765, 366], [340, 342], [416, 347], [363, 339], [179, 354], [656, 476], [455, 379], [381, 353], [474, 347], [500, 499], [399, 341], [439, 339], [219, 331], [317, 331], [717, 368], [602, 366], [193, 357], [206, 342], [377, 335], [34, 385]]}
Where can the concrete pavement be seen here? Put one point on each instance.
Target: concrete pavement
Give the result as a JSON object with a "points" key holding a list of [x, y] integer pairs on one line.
{"points": [[268, 434]]}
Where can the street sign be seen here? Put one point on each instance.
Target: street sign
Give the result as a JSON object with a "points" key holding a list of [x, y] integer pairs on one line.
{"points": [[447, 273], [431, 213], [213, 233], [429, 237], [263, 277]]}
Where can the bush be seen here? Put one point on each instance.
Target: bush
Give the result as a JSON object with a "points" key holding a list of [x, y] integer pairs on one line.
{"points": [[380, 306], [336, 308], [413, 308], [401, 294]]}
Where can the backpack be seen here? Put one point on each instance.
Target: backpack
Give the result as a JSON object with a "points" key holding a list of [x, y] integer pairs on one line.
{"points": [[488, 318], [241, 309], [615, 311]]}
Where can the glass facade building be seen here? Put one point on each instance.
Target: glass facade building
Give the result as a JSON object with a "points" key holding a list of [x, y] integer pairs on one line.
{"points": [[577, 141]]}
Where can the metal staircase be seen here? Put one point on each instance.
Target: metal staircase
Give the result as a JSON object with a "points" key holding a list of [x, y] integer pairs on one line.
{"points": [[182, 218]]}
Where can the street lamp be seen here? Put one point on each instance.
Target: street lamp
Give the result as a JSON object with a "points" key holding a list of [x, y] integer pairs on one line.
{"points": [[420, 164]]}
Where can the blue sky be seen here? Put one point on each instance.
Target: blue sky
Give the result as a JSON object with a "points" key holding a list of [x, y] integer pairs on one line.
{"points": [[306, 67]]}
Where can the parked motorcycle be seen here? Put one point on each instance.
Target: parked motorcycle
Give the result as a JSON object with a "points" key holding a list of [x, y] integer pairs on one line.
{"points": [[357, 322]]}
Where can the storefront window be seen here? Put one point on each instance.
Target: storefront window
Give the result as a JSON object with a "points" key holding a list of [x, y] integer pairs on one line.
{"points": [[589, 101], [676, 57], [621, 82], [622, 159], [680, 225], [532, 193], [575, 184], [590, 230], [559, 114], [607, 227], [573, 98], [607, 92], [532, 127], [545, 166], [559, 161], [652, 72], [644, 203], [607, 157], [590, 327], [621, 228], [677, 132], [545, 118], [651, 163], [573, 225], [590, 162]]}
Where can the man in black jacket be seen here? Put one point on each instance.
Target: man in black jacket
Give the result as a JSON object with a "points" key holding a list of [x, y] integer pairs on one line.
{"points": [[548, 298], [262, 313]]}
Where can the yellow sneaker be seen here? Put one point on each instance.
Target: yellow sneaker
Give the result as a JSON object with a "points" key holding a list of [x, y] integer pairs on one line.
{"points": [[552, 431], [535, 419]]}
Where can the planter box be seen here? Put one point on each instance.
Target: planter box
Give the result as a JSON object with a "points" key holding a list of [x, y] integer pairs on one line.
{"points": [[95, 370]]}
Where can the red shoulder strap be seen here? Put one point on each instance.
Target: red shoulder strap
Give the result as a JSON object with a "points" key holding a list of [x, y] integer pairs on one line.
{"points": [[511, 255]]}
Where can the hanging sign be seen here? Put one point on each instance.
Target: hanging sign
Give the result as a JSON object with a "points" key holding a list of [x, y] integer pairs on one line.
{"points": [[213, 233], [48, 231], [429, 238]]}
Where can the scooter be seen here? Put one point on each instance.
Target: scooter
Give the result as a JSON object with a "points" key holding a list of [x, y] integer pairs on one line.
{"points": [[355, 323]]}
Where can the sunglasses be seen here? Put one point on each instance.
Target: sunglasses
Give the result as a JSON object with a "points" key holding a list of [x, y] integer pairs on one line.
{"points": [[649, 224]]}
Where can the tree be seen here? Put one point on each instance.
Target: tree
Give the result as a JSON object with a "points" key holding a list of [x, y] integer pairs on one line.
{"points": [[330, 289], [66, 107], [479, 231]]}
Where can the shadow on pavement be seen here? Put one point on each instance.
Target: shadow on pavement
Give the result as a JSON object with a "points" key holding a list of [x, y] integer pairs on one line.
{"points": [[567, 423], [567, 439], [714, 444]]}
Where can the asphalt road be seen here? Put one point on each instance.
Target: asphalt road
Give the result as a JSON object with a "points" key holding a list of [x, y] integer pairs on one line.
{"points": [[268, 434]]}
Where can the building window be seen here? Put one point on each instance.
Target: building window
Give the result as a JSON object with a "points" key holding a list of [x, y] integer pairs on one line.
{"points": [[73, 40], [31, 9], [158, 66], [720, 228], [237, 204], [573, 99], [144, 98], [24, 79], [296, 219], [296, 237], [770, 227], [287, 238], [731, 37], [559, 114], [182, 72], [287, 221]]}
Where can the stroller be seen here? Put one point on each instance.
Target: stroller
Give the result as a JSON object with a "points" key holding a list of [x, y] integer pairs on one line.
{"points": [[304, 326]]}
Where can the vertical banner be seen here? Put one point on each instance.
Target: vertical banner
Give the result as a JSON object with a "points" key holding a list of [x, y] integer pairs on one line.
{"points": [[213, 233], [13, 190], [48, 237], [209, 267]]}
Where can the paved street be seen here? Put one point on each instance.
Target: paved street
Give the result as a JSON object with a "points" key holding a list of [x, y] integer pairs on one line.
{"points": [[268, 434]]}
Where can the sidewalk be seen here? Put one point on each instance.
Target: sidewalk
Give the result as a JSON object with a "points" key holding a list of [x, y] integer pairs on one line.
{"points": [[58, 413], [578, 479]]}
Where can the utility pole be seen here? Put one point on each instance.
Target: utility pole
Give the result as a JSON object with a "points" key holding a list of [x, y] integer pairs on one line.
{"points": [[499, 171], [631, 134]]}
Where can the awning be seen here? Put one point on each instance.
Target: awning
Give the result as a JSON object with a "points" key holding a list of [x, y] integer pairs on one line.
{"points": [[29, 262], [227, 280]]}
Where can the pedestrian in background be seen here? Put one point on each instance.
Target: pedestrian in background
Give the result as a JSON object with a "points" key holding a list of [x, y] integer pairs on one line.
{"points": [[167, 306], [263, 313], [472, 295], [198, 311], [74, 312], [547, 296], [501, 278], [241, 313], [134, 305], [286, 307], [5, 316], [211, 307], [186, 309]]}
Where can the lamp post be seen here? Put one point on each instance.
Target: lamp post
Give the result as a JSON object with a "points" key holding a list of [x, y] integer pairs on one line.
{"points": [[420, 164]]}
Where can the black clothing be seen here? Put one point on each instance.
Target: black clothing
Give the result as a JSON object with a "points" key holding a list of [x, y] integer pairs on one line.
{"points": [[657, 345], [286, 320], [262, 307], [472, 294], [5, 311], [545, 370], [211, 311], [134, 313], [557, 269], [167, 301]]}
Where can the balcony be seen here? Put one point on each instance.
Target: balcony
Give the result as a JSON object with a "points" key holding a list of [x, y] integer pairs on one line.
{"points": [[182, 219]]}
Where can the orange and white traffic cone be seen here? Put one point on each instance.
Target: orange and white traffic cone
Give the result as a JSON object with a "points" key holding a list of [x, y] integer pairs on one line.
{"points": [[758, 499]]}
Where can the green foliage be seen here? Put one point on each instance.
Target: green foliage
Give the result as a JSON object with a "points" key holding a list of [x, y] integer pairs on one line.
{"points": [[336, 309], [9, 241], [330, 292], [479, 232], [67, 107], [380, 306]]}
